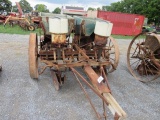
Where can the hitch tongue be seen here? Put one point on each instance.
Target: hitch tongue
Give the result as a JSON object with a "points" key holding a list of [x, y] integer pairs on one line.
{"points": [[104, 90]]}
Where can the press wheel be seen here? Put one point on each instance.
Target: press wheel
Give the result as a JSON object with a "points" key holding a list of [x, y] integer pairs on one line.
{"points": [[111, 53], [33, 56]]}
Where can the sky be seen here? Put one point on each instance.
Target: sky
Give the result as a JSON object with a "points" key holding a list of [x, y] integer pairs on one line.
{"points": [[52, 4]]}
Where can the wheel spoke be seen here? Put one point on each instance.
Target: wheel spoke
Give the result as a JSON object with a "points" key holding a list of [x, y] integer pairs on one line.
{"points": [[112, 53], [112, 59], [135, 62]]}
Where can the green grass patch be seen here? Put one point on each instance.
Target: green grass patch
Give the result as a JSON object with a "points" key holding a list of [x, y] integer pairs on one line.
{"points": [[122, 37], [15, 30], [18, 30]]}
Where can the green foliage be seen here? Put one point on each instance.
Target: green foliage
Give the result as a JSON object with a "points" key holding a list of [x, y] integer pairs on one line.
{"points": [[148, 8], [98, 8], [41, 8], [90, 8], [14, 8], [5, 5], [26, 7], [57, 10], [105, 8]]}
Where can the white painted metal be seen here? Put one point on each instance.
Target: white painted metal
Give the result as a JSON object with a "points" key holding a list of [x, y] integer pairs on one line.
{"points": [[58, 25], [103, 28]]}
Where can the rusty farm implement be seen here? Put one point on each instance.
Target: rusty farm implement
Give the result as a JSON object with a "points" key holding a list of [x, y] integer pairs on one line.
{"points": [[143, 57], [23, 22], [71, 42]]}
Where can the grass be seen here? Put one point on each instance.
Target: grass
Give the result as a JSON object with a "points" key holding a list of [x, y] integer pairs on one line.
{"points": [[18, 30], [15, 30], [122, 37]]}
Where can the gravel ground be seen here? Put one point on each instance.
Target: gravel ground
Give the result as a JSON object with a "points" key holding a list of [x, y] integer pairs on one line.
{"points": [[22, 98]]}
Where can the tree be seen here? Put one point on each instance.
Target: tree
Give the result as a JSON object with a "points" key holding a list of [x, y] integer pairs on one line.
{"points": [[148, 8], [98, 8], [14, 8], [105, 8], [90, 8], [5, 5], [25, 6], [41, 8], [57, 10], [116, 7]]}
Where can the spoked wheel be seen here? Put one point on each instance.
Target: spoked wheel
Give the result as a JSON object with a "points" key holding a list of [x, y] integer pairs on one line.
{"points": [[22, 24], [36, 25], [111, 53], [33, 56], [139, 59], [31, 27]]}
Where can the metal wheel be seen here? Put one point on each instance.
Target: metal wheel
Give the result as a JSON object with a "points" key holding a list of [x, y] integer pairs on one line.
{"points": [[36, 25], [111, 53], [33, 56], [139, 59], [31, 28], [22, 24]]}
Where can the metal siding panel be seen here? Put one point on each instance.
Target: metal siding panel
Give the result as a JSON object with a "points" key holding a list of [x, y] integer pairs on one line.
{"points": [[123, 23]]}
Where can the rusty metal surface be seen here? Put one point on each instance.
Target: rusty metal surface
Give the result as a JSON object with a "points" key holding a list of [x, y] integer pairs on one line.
{"points": [[104, 89], [100, 40], [153, 42], [143, 57], [99, 117], [19, 9], [101, 90], [58, 54], [94, 79], [58, 38], [32, 56], [24, 98], [2, 18], [89, 85], [55, 80], [24, 23]]}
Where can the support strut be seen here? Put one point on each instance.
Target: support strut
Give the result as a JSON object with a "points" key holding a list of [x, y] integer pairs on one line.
{"points": [[55, 80]]}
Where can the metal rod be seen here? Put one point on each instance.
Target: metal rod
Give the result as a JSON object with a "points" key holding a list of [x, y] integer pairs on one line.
{"points": [[84, 80], [93, 107], [104, 111], [105, 78], [43, 69]]}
